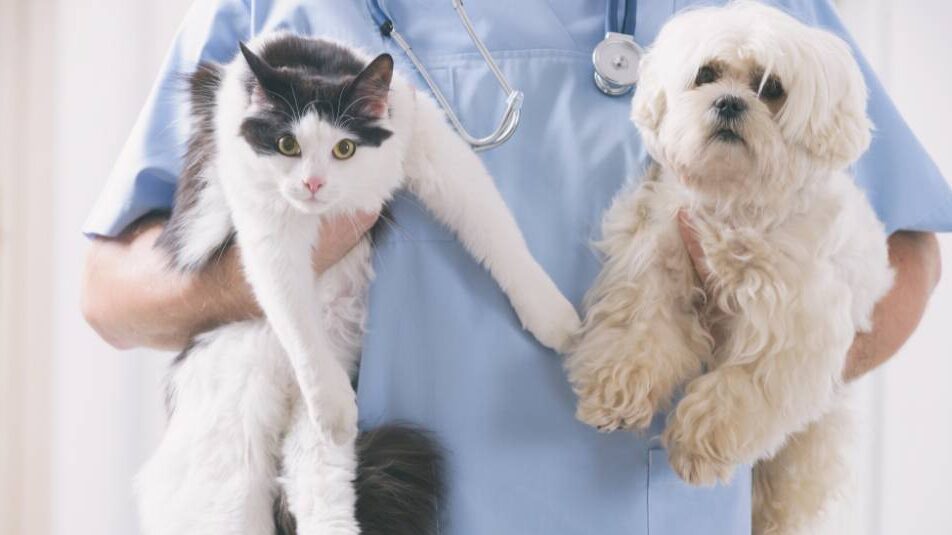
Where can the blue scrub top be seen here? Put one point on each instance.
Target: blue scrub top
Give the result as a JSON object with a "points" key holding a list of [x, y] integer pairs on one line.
{"points": [[443, 347]]}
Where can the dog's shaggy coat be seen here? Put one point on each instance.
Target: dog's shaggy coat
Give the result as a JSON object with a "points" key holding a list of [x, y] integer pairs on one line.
{"points": [[753, 119]]}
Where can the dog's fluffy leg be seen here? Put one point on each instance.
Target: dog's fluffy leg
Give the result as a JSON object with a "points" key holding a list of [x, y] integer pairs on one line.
{"points": [[318, 478], [794, 489], [780, 364], [641, 337], [214, 471]]}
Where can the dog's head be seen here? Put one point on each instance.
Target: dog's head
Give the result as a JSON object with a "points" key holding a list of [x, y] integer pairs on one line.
{"points": [[745, 96]]}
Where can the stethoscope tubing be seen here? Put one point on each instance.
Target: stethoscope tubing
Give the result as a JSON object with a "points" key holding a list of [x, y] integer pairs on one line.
{"points": [[514, 98], [629, 17]]}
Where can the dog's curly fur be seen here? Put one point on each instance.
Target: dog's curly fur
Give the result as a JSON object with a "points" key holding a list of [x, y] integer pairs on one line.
{"points": [[753, 119]]}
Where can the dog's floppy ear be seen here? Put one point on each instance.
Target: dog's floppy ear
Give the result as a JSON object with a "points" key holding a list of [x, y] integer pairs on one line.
{"points": [[650, 102], [832, 93]]}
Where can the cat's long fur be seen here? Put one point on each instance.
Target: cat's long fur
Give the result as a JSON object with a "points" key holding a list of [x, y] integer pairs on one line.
{"points": [[243, 434]]}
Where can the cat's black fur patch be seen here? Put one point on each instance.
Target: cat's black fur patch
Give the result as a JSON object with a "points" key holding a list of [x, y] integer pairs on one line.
{"points": [[311, 57], [303, 75], [399, 484], [203, 86], [284, 521], [295, 75]]}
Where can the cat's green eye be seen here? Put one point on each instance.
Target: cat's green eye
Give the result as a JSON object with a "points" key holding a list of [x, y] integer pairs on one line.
{"points": [[344, 149], [288, 145]]}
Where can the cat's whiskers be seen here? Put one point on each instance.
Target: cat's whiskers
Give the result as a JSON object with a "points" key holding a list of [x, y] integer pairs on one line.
{"points": [[290, 107], [290, 117], [224, 247], [342, 115], [391, 223], [296, 109], [340, 96], [313, 102], [412, 199]]}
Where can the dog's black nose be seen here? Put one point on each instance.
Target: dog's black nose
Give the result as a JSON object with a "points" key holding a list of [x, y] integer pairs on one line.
{"points": [[730, 107]]}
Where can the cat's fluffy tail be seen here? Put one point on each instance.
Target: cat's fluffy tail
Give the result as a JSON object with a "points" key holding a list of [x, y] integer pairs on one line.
{"points": [[399, 483]]}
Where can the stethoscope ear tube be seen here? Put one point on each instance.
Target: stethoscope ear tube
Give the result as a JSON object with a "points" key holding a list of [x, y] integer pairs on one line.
{"points": [[510, 120]]}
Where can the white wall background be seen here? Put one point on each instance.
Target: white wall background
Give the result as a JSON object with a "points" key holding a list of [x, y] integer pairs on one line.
{"points": [[104, 411], [106, 404]]}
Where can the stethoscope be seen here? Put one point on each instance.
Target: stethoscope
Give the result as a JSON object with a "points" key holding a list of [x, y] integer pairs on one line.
{"points": [[615, 58]]}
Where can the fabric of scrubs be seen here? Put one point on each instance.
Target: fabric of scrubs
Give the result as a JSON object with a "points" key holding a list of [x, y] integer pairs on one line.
{"points": [[443, 348]]}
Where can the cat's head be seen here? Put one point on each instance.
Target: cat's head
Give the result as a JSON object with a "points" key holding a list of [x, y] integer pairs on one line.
{"points": [[317, 123]]}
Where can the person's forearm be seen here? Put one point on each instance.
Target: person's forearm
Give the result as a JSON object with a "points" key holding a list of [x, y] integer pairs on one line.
{"points": [[916, 259], [132, 299]]}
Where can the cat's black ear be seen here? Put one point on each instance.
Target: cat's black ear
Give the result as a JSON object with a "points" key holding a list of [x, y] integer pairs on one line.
{"points": [[269, 77], [369, 90]]}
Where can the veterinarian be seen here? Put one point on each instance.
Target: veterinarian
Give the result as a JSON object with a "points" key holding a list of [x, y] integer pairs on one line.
{"points": [[444, 348]]}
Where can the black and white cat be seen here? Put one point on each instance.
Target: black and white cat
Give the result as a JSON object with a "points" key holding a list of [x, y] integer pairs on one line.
{"points": [[296, 130]]}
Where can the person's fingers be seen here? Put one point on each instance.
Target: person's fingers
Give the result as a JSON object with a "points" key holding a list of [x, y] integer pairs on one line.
{"points": [[691, 243], [339, 234]]}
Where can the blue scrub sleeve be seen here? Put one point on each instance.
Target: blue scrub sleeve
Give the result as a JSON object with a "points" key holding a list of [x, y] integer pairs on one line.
{"points": [[143, 178], [901, 180]]}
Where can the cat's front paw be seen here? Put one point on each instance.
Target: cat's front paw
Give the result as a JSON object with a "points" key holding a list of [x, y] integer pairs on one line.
{"points": [[618, 395], [549, 316], [558, 331]]}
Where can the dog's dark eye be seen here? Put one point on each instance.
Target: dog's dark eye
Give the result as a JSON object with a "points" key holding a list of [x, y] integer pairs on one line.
{"points": [[706, 75], [772, 89]]}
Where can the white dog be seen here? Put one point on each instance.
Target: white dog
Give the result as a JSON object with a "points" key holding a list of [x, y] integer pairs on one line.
{"points": [[752, 118]]}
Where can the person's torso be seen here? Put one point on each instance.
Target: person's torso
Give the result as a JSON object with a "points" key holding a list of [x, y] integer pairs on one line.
{"points": [[443, 347]]}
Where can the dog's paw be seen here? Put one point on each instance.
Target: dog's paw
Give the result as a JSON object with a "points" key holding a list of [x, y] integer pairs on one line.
{"points": [[698, 468], [622, 395], [700, 444]]}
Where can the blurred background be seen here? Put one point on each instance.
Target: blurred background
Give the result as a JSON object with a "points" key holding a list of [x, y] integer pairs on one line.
{"points": [[77, 417]]}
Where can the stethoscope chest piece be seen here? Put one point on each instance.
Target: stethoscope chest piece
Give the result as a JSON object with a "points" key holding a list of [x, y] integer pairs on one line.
{"points": [[616, 61]]}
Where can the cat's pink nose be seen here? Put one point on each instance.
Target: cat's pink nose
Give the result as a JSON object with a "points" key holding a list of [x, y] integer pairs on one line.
{"points": [[313, 183]]}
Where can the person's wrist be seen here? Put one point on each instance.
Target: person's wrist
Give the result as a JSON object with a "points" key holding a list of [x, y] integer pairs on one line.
{"points": [[227, 294], [857, 357]]}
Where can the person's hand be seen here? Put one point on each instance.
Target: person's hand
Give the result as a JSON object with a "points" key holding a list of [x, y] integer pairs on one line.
{"points": [[691, 243], [132, 299], [338, 236]]}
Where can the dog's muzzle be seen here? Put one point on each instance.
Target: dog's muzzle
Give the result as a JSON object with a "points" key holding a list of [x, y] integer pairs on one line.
{"points": [[729, 107], [729, 111]]}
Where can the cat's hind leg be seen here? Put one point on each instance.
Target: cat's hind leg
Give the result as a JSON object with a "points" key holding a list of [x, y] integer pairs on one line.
{"points": [[317, 477], [214, 470]]}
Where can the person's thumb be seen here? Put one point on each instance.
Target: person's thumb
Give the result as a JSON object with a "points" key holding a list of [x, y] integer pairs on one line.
{"points": [[691, 243]]}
